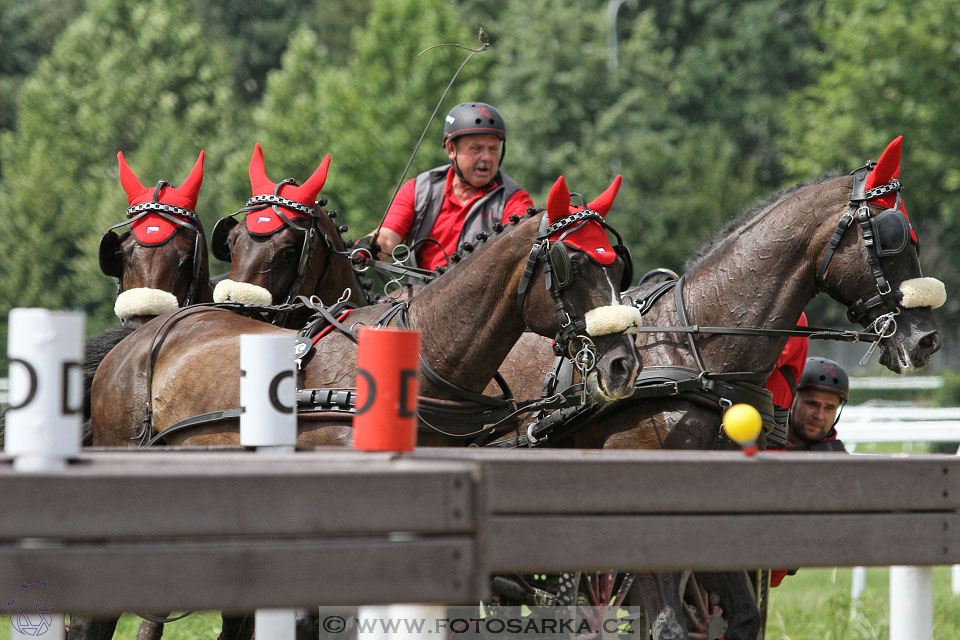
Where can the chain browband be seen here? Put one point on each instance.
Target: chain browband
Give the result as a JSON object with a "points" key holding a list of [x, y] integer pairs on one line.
{"points": [[263, 201], [882, 190], [573, 218], [144, 207]]}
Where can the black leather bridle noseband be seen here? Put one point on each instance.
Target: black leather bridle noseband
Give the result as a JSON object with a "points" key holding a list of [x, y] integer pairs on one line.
{"points": [[877, 309], [572, 339]]}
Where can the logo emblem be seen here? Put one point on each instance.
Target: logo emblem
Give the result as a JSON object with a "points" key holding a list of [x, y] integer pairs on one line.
{"points": [[153, 229], [484, 112], [31, 609]]}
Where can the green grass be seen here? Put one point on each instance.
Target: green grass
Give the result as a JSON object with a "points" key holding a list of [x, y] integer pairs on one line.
{"points": [[815, 605], [812, 605], [203, 625]]}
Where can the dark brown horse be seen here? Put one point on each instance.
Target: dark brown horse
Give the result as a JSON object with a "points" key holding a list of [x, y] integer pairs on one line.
{"points": [[469, 319], [846, 236], [160, 264], [285, 246]]}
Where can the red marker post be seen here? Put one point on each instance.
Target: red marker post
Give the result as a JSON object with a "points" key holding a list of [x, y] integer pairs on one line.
{"points": [[387, 364]]}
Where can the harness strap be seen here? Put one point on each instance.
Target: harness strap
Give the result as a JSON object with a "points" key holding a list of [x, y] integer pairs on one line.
{"points": [[646, 303], [189, 423], [682, 314], [814, 333]]}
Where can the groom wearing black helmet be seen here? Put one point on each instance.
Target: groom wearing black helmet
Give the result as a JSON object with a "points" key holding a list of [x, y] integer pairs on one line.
{"points": [[821, 394], [442, 208]]}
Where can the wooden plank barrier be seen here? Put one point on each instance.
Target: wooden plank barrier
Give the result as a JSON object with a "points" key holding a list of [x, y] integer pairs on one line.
{"points": [[234, 530], [134, 531], [557, 509]]}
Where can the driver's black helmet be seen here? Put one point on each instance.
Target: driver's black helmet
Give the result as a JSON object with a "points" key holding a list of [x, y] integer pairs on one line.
{"points": [[825, 375], [468, 118]]}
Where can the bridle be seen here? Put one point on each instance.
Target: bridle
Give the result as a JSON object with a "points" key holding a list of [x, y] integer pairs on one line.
{"points": [[312, 233], [572, 339], [885, 234], [180, 216]]}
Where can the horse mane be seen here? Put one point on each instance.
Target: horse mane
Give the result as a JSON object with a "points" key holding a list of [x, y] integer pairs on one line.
{"points": [[483, 238], [754, 212]]}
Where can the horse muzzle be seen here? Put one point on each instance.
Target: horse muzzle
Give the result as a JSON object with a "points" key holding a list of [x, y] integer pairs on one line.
{"points": [[143, 301], [616, 370], [242, 292]]}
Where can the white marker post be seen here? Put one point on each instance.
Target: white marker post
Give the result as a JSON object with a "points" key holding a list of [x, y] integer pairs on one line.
{"points": [[43, 430], [268, 395], [911, 603], [44, 417]]}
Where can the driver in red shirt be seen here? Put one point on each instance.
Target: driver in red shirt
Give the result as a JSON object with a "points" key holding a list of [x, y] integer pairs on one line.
{"points": [[440, 209]]}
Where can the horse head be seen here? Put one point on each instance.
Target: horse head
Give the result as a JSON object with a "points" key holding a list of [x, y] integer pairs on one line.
{"points": [[161, 262], [286, 246], [575, 294], [876, 272]]}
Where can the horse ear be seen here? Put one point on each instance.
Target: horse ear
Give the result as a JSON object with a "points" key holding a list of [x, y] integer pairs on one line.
{"points": [[558, 202], [605, 200], [131, 185], [888, 166], [191, 186], [258, 175], [309, 189]]}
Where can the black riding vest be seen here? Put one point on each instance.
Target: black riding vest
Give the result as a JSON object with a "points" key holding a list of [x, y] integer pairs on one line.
{"points": [[485, 212], [829, 443]]}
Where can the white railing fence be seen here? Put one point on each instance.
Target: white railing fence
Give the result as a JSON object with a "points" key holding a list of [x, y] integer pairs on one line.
{"points": [[879, 421]]}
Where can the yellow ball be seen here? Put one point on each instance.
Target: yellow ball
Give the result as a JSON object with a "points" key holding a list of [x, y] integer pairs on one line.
{"points": [[743, 423]]}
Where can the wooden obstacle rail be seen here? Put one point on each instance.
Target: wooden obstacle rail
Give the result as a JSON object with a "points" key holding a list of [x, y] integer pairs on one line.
{"points": [[145, 531], [236, 530]]}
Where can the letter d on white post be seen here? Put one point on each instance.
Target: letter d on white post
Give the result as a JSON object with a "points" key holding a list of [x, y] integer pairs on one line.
{"points": [[268, 392], [45, 414]]}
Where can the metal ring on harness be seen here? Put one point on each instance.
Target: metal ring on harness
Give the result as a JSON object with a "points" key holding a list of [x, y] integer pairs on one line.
{"points": [[586, 355], [359, 257]]}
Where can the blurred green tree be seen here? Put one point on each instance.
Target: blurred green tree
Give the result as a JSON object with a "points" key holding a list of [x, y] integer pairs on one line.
{"points": [[28, 29], [888, 70], [369, 114], [127, 75]]}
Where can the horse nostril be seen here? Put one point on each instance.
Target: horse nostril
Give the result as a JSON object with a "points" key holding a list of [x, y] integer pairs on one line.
{"points": [[621, 372], [931, 342]]}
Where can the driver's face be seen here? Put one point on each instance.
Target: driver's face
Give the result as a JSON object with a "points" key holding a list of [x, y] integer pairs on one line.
{"points": [[477, 155]]}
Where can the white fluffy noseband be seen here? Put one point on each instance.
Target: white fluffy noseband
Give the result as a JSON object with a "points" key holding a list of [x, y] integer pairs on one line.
{"points": [[922, 292], [619, 318], [242, 292], [144, 302]]}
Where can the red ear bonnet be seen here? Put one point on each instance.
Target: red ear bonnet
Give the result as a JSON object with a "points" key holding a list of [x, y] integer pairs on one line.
{"points": [[266, 221], [591, 238], [152, 228], [888, 168]]}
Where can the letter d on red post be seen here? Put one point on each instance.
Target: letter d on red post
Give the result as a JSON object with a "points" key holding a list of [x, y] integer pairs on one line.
{"points": [[387, 365]]}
